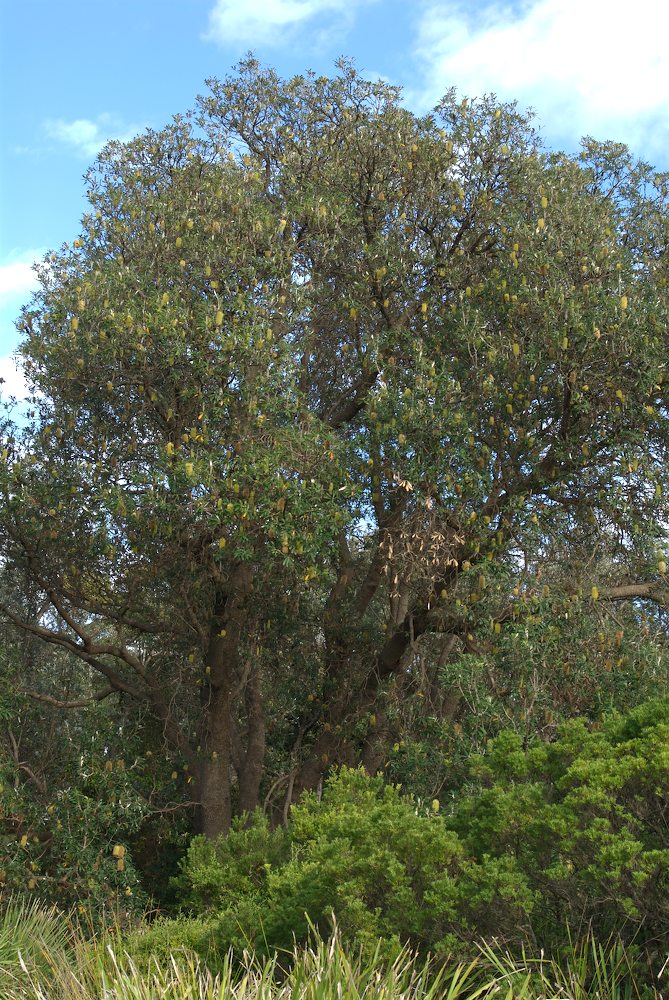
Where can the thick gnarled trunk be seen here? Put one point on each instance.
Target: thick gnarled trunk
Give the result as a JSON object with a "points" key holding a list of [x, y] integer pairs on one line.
{"points": [[217, 731], [215, 791], [249, 755]]}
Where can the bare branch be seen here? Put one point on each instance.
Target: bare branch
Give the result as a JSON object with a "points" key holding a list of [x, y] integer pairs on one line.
{"points": [[65, 642], [658, 593], [78, 703], [352, 403], [174, 807], [40, 783]]}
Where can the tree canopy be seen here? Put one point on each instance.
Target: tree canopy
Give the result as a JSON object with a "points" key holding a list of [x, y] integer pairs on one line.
{"points": [[328, 396]]}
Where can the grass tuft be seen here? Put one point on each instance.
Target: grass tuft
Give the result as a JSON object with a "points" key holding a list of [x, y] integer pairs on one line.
{"points": [[42, 957]]}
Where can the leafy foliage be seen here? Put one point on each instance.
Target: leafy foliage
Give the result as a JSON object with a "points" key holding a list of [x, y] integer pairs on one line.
{"points": [[347, 456], [325, 391], [69, 807], [231, 874], [547, 841], [584, 818], [367, 857], [155, 946]]}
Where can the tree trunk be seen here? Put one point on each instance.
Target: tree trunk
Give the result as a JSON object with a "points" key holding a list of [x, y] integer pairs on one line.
{"points": [[215, 800], [329, 748], [251, 759], [222, 668]]}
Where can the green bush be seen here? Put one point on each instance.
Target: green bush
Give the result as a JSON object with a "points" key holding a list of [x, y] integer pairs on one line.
{"points": [[75, 850], [547, 844], [364, 853], [230, 876], [383, 866], [585, 819], [216, 874], [151, 946]]}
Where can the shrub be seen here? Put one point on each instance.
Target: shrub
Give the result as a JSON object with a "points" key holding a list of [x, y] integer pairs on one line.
{"points": [[547, 844], [74, 849], [367, 855], [229, 876], [151, 946], [216, 873], [385, 867], [585, 821]]}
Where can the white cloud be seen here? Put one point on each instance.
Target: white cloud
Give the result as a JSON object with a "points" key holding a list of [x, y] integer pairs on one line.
{"points": [[18, 278], [587, 66], [87, 137], [267, 22], [14, 383], [17, 282]]}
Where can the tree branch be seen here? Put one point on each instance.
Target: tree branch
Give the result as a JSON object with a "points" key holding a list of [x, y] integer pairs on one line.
{"points": [[79, 703], [65, 642], [352, 403], [658, 593]]}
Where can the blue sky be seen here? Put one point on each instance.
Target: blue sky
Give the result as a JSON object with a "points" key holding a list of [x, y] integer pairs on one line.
{"points": [[75, 73]]}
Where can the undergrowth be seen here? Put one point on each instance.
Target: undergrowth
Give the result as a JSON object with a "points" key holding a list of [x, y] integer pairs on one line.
{"points": [[44, 957]]}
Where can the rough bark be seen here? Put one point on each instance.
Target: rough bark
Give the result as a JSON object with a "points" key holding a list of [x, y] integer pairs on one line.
{"points": [[222, 667], [215, 797], [250, 760]]}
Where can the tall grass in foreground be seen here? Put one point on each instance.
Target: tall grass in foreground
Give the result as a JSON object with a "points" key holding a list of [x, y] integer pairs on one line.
{"points": [[32, 938], [43, 958]]}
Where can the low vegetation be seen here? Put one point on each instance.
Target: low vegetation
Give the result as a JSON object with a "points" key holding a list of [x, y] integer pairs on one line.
{"points": [[324, 969], [546, 876]]}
